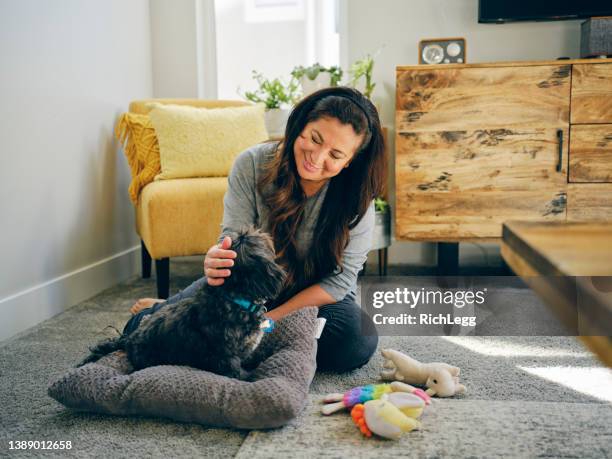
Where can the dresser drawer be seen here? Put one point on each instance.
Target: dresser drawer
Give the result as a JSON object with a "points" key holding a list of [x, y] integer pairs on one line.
{"points": [[589, 201], [489, 98], [591, 93], [590, 156]]}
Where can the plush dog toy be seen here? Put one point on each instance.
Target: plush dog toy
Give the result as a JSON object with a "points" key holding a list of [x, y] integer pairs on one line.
{"points": [[386, 410], [385, 418], [440, 379], [336, 402]]}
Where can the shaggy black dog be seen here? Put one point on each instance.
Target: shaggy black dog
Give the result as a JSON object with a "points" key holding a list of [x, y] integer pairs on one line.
{"points": [[216, 329]]}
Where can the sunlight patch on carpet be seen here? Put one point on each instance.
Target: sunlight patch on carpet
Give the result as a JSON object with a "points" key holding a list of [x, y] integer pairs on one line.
{"points": [[500, 347], [593, 381]]}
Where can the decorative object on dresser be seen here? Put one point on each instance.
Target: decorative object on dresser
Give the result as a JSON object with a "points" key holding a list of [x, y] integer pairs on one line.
{"points": [[316, 77], [278, 97], [483, 143], [442, 51], [596, 37]]}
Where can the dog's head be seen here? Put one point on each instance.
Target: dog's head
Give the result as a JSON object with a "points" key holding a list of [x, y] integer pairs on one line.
{"points": [[255, 270]]}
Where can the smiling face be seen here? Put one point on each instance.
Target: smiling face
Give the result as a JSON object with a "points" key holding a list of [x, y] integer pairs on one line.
{"points": [[323, 148]]}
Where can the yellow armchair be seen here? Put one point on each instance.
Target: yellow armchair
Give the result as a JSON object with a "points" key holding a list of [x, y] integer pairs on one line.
{"points": [[178, 217]]}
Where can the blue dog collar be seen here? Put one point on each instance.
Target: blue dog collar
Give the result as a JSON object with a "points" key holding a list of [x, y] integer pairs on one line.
{"points": [[266, 325], [245, 304]]}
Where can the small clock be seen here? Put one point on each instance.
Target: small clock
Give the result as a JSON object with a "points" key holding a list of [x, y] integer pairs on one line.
{"points": [[432, 54], [442, 51]]}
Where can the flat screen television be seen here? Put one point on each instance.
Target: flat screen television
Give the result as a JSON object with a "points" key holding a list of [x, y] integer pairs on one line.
{"points": [[499, 11]]}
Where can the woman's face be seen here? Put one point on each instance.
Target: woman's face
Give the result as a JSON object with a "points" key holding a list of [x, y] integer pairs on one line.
{"points": [[324, 148]]}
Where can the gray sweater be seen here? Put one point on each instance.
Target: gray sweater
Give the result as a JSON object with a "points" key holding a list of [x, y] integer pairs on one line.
{"points": [[244, 205]]}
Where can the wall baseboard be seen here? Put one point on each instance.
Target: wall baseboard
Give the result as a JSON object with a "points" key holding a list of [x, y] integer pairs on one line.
{"points": [[29, 307]]}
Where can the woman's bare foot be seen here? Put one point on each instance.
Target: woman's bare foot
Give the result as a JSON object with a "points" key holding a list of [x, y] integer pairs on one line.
{"points": [[144, 303]]}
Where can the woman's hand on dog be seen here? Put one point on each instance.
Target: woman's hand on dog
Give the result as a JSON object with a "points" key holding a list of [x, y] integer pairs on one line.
{"points": [[217, 262]]}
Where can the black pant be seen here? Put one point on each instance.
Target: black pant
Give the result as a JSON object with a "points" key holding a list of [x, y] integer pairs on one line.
{"points": [[343, 345]]}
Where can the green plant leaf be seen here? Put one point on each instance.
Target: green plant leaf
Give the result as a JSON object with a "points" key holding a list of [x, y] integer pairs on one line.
{"points": [[380, 205], [273, 93], [314, 70], [362, 69]]}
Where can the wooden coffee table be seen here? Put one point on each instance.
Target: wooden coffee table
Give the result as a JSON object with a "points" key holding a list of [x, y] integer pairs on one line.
{"points": [[569, 265]]}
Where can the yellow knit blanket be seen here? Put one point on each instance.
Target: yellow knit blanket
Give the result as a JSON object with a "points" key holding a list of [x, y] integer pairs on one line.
{"points": [[140, 145]]}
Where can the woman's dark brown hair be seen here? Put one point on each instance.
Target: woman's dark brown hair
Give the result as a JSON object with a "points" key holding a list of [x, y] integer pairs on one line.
{"points": [[348, 195]]}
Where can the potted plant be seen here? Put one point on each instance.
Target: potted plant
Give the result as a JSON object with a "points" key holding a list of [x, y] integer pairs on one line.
{"points": [[382, 226], [278, 98], [316, 77], [360, 70]]}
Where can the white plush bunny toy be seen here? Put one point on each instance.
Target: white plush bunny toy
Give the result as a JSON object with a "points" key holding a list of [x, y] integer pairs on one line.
{"points": [[441, 379]]}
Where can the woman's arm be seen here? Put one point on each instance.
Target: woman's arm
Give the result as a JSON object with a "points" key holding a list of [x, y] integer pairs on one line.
{"points": [[310, 296], [239, 201], [239, 210], [338, 284], [335, 287]]}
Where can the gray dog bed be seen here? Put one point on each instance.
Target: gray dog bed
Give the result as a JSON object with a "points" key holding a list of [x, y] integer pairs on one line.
{"points": [[283, 367]]}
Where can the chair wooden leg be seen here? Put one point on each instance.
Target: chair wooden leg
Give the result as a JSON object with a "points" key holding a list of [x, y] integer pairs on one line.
{"points": [[145, 258], [162, 272]]}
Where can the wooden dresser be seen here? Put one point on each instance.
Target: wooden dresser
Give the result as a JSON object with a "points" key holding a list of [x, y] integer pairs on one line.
{"points": [[480, 144]]}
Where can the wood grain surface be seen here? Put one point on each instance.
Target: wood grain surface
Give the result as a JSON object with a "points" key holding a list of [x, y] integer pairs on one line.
{"points": [[445, 216], [477, 146], [589, 201], [563, 248], [591, 93], [470, 98], [591, 153], [520, 159], [504, 64], [569, 265]]}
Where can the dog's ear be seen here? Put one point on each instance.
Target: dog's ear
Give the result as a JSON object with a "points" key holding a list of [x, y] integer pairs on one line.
{"points": [[259, 276], [275, 280], [255, 271]]}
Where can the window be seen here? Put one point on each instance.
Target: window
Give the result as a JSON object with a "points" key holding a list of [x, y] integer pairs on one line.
{"points": [[272, 37], [273, 10]]}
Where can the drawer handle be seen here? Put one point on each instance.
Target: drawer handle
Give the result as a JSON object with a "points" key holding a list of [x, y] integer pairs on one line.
{"points": [[560, 139]]}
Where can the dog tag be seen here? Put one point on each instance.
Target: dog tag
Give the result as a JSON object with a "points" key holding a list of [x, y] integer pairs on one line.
{"points": [[267, 325], [320, 324]]}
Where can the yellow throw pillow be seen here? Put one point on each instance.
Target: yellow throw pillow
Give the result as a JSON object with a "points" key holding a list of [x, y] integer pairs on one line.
{"points": [[203, 142], [137, 135]]}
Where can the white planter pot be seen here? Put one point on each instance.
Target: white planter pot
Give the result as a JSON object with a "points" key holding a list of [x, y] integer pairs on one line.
{"points": [[382, 230], [276, 121], [323, 80]]}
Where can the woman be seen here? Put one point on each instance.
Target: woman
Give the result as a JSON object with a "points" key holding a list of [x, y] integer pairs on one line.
{"points": [[314, 194]]}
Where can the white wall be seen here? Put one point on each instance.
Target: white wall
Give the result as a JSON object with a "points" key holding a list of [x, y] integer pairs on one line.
{"points": [[69, 68], [183, 49], [398, 25], [174, 48]]}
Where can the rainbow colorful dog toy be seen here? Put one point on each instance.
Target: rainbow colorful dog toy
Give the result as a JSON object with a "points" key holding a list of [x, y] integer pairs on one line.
{"points": [[384, 418], [337, 402]]}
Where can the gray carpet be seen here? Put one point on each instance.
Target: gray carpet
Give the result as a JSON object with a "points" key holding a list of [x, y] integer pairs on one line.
{"points": [[527, 397]]}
